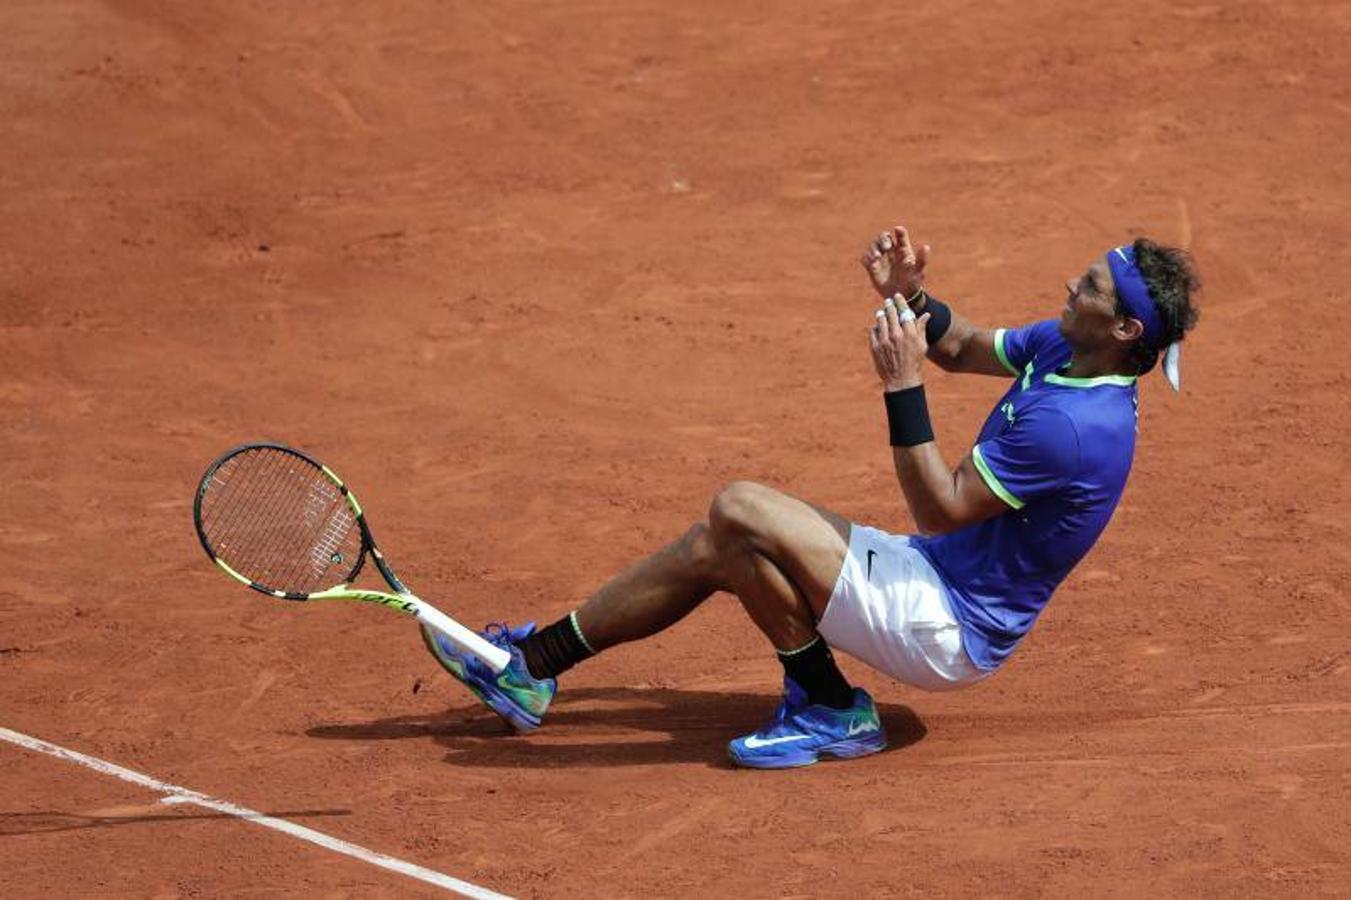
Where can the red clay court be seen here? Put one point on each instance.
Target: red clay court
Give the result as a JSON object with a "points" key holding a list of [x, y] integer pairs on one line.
{"points": [[538, 279]]}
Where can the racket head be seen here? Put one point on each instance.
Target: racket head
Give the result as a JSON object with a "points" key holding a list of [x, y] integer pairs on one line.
{"points": [[280, 521]]}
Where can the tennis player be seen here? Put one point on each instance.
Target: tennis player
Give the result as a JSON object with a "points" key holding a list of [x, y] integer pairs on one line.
{"points": [[939, 610]]}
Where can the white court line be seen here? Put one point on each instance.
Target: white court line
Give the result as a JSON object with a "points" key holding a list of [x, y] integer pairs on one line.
{"points": [[176, 794]]}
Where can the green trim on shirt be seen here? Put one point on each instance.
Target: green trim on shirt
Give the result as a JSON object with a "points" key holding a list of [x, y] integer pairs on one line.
{"points": [[1065, 381], [991, 481], [999, 350]]}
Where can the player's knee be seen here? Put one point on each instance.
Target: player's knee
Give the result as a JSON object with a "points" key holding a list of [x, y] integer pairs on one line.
{"points": [[737, 508], [701, 553]]}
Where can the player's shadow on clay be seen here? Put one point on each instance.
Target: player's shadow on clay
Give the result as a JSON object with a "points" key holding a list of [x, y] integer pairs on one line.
{"points": [[604, 727]]}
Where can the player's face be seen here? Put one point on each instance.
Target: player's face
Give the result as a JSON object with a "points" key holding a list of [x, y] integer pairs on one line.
{"points": [[1090, 307]]}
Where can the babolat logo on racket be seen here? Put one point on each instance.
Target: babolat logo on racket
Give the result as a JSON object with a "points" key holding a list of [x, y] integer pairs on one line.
{"points": [[383, 599]]}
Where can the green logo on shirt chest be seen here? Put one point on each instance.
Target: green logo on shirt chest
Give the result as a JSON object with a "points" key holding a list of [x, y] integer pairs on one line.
{"points": [[1007, 410]]}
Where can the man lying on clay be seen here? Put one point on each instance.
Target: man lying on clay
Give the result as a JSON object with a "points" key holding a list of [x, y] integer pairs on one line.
{"points": [[939, 610]]}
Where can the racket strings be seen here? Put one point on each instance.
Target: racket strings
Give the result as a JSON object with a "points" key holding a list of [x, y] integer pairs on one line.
{"points": [[303, 555], [278, 520], [284, 529], [241, 493], [247, 488], [240, 499]]}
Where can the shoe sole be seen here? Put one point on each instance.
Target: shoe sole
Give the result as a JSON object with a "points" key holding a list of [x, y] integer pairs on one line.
{"points": [[838, 750]]}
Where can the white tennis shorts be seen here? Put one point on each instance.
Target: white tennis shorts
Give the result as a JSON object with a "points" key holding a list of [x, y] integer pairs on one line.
{"points": [[890, 609]]}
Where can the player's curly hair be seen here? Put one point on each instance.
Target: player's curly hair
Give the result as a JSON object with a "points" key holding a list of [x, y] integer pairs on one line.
{"points": [[1171, 277]]}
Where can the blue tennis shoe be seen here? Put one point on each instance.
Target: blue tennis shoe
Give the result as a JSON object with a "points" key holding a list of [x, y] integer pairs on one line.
{"points": [[799, 734], [514, 694]]}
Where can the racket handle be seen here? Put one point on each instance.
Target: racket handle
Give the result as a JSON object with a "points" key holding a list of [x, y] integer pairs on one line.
{"points": [[492, 656]]}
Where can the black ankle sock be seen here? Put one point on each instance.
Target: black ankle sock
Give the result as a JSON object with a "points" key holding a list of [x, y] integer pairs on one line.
{"points": [[551, 651], [813, 668]]}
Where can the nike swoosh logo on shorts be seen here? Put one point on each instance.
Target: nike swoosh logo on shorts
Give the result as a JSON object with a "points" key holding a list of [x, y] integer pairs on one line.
{"points": [[871, 554], [756, 743]]}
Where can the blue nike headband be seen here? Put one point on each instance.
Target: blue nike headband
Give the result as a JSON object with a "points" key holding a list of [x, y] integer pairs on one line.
{"points": [[1130, 287], [1134, 294]]}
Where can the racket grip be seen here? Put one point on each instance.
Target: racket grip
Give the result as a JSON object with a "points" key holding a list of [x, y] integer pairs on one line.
{"points": [[492, 656]]}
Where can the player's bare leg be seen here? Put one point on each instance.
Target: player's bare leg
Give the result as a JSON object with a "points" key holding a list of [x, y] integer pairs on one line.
{"points": [[654, 593], [780, 556]]}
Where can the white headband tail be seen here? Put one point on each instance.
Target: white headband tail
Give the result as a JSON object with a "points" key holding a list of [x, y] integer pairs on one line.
{"points": [[1172, 365]]}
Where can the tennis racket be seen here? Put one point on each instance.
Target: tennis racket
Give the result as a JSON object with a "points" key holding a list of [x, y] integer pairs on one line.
{"points": [[286, 525]]}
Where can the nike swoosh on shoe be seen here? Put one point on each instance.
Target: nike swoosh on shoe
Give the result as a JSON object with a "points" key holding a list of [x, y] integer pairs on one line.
{"points": [[755, 743]]}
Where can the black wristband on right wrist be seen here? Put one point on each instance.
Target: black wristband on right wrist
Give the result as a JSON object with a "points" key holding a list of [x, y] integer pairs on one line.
{"points": [[908, 417]]}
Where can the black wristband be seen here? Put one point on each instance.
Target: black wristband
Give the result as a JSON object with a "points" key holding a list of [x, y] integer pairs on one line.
{"points": [[908, 417], [940, 319]]}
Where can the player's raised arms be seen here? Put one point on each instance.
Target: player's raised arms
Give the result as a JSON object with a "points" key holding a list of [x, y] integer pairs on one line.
{"points": [[963, 347]]}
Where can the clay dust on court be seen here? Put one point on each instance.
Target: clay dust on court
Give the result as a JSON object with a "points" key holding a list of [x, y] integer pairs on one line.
{"points": [[538, 279]]}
